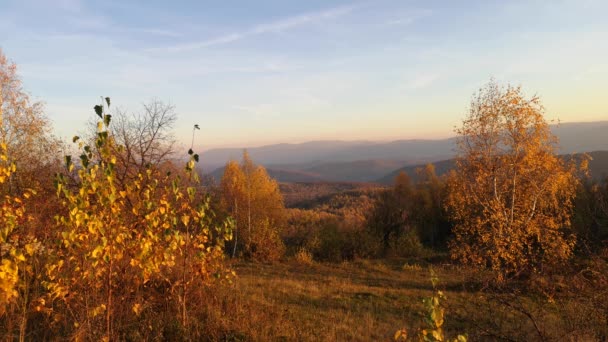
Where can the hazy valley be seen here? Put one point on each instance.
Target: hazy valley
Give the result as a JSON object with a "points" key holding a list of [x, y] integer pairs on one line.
{"points": [[380, 162]]}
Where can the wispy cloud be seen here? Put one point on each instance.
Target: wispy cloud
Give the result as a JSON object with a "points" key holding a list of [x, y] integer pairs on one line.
{"points": [[299, 20], [260, 111], [270, 27], [74, 6], [423, 80], [154, 31], [409, 17]]}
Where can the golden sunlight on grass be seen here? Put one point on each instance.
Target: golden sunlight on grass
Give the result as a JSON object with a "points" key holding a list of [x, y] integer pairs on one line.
{"points": [[368, 301], [355, 301]]}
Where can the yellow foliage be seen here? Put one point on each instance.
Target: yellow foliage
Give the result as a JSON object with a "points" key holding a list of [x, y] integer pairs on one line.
{"points": [[433, 319], [16, 246], [254, 201], [121, 237], [510, 195]]}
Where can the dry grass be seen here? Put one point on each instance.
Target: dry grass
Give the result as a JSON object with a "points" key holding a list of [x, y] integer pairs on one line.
{"points": [[370, 300], [358, 301]]}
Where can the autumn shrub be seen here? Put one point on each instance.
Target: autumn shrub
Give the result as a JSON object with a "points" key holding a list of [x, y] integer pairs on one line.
{"points": [[301, 229], [303, 256], [19, 254], [332, 245], [331, 232], [265, 245], [332, 242], [407, 245], [128, 252]]}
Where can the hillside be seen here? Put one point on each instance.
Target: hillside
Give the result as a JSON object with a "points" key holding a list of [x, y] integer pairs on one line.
{"points": [[582, 136], [365, 161], [311, 154], [281, 175], [306, 194], [356, 171], [598, 167]]}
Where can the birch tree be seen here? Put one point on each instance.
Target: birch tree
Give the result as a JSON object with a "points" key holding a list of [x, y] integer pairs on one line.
{"points": [[510, 196]]}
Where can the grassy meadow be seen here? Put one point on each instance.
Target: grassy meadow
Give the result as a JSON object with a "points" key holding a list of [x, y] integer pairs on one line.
{"points": [[369, 300]]}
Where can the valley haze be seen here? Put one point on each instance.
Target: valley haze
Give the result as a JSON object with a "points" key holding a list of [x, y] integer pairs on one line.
{"points": [[369, 161]]}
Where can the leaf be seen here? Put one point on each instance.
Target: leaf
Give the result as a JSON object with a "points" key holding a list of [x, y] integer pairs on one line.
{"points": [[195, 157], [400, 335], [191, 192], [106, 119], [20, 257], [108, 101], [75, 138], [30, 249], [190, 152], [196, 127], [185, 220], [99, 110], [137, 309], [85, 160], [97, 251]]}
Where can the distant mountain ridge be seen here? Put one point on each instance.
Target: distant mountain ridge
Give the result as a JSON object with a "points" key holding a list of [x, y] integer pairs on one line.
{"points": [[598, 167], [365, 161]]}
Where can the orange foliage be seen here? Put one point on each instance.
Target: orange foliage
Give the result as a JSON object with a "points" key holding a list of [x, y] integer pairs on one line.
{"points": [[253, 199], [510, 195]]}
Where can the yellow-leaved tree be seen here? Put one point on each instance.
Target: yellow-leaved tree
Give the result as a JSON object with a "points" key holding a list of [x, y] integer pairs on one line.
{"points": [[27, 133], [28, 155], [130, 252], [19, 248], [253, 199], [510, 196]]}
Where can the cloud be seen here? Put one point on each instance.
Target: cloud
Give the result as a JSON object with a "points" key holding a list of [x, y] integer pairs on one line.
{"points": [[409, 18], [261, 111], [74, 6], [423, 80], [299, 20], [271, 27], [153, 31]]}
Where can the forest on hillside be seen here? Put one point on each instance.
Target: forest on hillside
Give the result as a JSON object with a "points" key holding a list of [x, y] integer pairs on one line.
{"points": [[114, 235]]}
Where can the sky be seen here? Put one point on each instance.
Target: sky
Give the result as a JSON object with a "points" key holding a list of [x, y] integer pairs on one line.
{"points": [[260, 72]]}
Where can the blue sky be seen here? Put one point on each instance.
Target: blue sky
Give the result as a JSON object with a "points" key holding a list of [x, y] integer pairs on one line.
{"points": [[256, 72]]}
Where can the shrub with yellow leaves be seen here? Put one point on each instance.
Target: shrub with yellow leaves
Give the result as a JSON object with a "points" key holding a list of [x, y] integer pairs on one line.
{"points": [[18, 250], [127, 249]]}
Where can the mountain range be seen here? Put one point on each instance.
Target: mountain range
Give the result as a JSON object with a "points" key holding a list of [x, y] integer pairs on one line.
{"points": [[368, 161], [598, 167]]}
